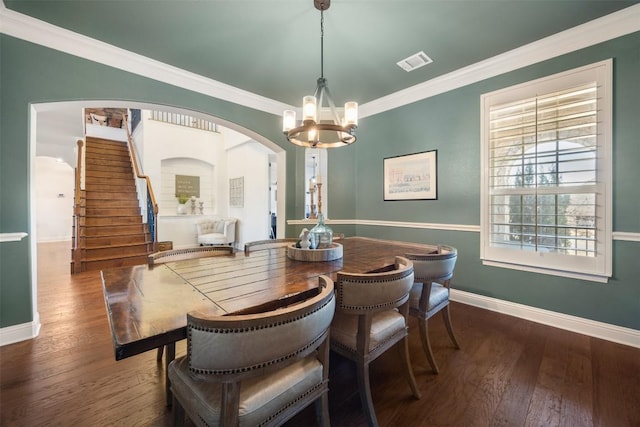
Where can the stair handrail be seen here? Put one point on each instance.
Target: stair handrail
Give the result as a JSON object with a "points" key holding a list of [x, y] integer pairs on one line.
{"points": [[77, 200], [79, 173], [134, 161]]}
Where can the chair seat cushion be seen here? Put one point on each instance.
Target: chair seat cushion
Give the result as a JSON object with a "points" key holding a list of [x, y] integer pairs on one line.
{"points": [[212, 239], [384, 325], [259, 396], [439, 294]]}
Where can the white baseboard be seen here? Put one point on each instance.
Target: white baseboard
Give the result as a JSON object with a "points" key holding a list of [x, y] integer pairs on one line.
{"points": [[55, 239], [619, 334], [21, 332]]}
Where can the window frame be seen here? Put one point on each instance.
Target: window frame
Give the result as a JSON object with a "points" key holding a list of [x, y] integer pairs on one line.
{"points": [[599, 267]]}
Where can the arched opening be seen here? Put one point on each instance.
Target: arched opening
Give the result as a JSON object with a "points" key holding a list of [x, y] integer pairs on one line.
{"points": [[56, 127]]}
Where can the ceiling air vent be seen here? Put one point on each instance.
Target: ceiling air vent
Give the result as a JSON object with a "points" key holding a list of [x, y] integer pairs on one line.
{"points": [[415, 61]]}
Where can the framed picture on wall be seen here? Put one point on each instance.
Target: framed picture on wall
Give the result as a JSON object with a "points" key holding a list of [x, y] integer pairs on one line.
{"points": [[411, 176], [236, 192]]}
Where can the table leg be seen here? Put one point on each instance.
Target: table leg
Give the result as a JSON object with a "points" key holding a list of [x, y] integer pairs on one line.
{"points": [[170, 354]]}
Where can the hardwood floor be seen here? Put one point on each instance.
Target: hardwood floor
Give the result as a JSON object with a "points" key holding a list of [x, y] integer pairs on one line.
{"points": [[509, 372]]}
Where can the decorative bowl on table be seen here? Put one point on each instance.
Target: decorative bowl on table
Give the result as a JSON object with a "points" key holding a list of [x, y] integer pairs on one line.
{"points": [[314, 255]]}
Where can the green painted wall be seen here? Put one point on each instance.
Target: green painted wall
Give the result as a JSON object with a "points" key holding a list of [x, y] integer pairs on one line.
{"points": [[450, 123], [34, 74]]}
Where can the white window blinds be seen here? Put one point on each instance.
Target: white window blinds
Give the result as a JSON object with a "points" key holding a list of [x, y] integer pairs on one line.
{"points": [[546, 175]]}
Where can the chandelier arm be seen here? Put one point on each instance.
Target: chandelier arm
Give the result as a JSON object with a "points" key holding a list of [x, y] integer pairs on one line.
{"points": [[332, 107], [319, 93]]}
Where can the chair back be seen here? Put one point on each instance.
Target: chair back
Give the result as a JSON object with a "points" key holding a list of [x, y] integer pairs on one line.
{"points": [[258, 245], [372, 292], [188, 253], [436, 266], [237, 346]]}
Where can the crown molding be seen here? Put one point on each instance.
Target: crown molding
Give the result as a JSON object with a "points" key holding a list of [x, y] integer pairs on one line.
{"points": [[617, 24], [42, 33]]}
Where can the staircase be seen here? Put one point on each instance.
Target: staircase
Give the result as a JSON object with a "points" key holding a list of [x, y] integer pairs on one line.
{"points": [[110, 228]]}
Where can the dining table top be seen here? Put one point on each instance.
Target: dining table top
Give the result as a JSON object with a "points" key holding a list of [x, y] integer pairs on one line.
{"points": [[147, 305]]}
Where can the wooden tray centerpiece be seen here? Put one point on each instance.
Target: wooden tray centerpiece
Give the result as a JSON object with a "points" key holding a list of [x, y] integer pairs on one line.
{"points": [[314, 255]]}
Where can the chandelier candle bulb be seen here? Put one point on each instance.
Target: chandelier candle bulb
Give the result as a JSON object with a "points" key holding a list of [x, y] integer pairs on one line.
{"points": [[351, 113], [288, 120], [309, 109]]}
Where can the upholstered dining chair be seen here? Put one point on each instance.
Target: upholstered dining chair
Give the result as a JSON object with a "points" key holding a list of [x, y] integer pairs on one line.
{"points": [[258, 245], [430, 293], [371, 317], [255, 369], [181, 255]]}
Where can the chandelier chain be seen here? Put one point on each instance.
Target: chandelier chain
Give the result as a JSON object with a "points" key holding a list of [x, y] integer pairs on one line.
{"points": [[322, 44]]}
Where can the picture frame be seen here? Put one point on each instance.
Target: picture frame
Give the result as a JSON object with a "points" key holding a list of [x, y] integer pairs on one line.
{"points": [[411, 176], [236, 192]]}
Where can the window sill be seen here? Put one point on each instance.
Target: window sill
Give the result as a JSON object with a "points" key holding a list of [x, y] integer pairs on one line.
{"points": [[539, 270]]}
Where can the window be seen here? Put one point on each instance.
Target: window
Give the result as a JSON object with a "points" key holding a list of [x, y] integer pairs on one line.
{"points": [[546, 187]]}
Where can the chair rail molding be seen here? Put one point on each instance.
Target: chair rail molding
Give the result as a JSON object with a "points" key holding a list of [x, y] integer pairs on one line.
{"points": [[617, 235], [12, 237], [627, 236], [381, 223]]}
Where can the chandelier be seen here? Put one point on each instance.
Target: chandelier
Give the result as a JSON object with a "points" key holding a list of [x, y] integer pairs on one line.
{"points": [[317, 130]]}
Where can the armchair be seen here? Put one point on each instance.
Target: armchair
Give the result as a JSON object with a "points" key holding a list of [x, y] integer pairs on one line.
{"points": [[430, 293], [220, 231], [256, 369], [371, 317]]}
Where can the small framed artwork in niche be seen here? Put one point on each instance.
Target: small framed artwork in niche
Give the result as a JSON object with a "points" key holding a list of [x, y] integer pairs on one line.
{"points": [[411, 176], [187, 186], [236, 192]]}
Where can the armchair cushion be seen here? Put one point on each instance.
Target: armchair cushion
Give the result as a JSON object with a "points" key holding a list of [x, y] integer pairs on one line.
{"points": [[439, 294], [384, 325], [259, 396]]}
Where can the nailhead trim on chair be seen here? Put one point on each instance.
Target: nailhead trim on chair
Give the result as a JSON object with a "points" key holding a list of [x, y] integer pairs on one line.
{"points": [[354, 307], [243, 330], [398, 274], [266, 326], [401, 274], [258, 366]]}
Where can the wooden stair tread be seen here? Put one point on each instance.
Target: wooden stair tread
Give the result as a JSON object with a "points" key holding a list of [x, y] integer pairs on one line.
{"points": [[123, 245], [118, 257]]}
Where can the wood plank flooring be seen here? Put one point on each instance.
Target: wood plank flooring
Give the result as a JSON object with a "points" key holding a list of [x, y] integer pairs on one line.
{"points": [[509, 372]]}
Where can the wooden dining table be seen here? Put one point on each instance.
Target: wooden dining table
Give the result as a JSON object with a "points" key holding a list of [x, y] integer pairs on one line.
{"points": [[147, 306]]}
